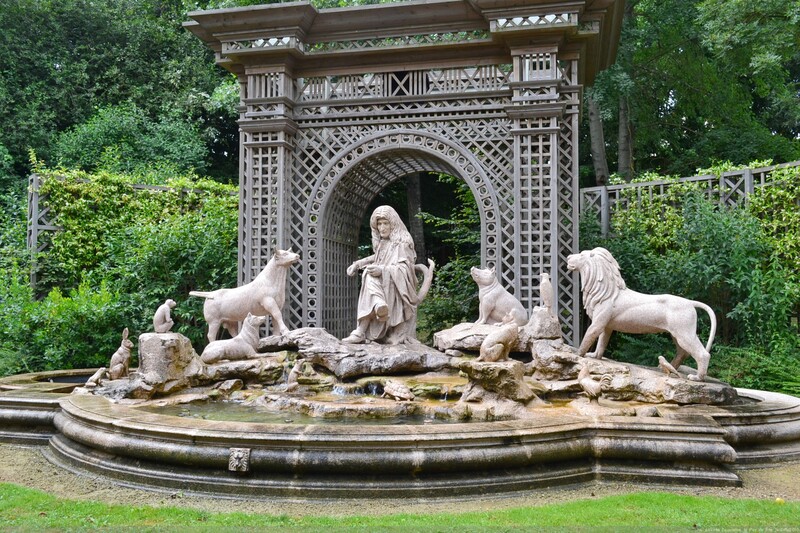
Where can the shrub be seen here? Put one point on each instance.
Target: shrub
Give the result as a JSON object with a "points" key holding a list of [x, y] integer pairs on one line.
{"points": [[7, 175], [92, 210], [453, 298], [16, 303], [778, 210], [753, 368], [120, 255], [694, 249], [78, 330], [123, 139], [151, 261]]}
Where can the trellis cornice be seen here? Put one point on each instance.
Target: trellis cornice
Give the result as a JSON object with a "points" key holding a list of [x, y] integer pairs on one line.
{"points": [[402, 41], [537, 21], [491, 26], [262, 43]]}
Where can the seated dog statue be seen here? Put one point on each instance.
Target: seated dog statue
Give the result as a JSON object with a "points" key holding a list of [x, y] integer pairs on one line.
{"points": [[495, 301]]}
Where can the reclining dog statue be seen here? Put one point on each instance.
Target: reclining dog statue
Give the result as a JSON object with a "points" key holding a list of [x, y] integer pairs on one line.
{"points": [[242, 346], [265, 295]]}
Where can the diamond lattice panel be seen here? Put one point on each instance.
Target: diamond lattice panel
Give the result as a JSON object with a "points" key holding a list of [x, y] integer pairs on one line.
{"points": [[354, 179]]}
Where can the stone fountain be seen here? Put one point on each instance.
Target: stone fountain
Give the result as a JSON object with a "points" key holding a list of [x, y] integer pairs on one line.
{"points": [[499, 405]]}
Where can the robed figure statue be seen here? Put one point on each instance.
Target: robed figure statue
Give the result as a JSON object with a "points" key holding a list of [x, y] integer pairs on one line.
{"points": [[387, 303]]}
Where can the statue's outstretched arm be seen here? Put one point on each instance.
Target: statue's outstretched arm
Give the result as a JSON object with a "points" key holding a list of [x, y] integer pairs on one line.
{"points": [[359, 264]]}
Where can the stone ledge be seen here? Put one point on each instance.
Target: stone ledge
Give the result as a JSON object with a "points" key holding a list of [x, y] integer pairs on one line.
{"points": [[347, 361]]}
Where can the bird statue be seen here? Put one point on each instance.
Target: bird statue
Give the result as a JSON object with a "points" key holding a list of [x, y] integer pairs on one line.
{"points": [[666, 367], [546, 291], [593, 388]]}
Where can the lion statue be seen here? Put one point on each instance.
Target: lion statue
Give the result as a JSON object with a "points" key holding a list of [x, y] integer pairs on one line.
{"points": [[613, 307]]}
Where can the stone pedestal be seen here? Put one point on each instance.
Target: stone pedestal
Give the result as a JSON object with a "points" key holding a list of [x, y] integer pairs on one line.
{"points": [[166, 360]]}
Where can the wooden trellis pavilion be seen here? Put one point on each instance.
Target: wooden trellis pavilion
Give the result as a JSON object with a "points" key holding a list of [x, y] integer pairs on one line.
{"points": [[336, 104]]}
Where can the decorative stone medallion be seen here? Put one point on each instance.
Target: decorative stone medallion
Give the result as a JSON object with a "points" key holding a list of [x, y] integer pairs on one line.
{"points": [[239, 460]]}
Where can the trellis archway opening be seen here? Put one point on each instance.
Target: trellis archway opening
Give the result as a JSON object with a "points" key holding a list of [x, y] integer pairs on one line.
{"points": [[379, 162], [337, 103]]}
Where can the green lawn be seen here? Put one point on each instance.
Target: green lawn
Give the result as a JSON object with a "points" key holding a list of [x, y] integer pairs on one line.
{"points": [[27, 509]]}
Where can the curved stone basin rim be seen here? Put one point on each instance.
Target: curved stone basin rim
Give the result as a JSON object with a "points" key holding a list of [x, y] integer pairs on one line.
{"points": [[122, 431]]}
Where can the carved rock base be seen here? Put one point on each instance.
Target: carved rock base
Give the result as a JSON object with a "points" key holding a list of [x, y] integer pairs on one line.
{"points": [[347, 361], [506, 379]]}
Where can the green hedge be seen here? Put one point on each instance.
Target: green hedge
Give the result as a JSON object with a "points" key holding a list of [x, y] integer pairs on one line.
{"points": [[121, 252]]}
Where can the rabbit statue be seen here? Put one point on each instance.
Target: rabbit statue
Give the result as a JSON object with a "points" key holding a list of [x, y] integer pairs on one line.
{"points": [[118, 367]]}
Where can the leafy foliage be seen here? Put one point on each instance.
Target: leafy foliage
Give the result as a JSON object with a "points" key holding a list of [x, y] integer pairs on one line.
{"points": [[80, 330], [151, 261], [120, 254], [453, 297], [778, 210], [124, 139], [705, 80], [757, 42], [64, 61], [94, 209], [7, 176]]}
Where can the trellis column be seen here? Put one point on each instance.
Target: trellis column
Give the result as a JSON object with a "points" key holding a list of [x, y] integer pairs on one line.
{"points": [[536, 113], [267, 136], [568, 211]]}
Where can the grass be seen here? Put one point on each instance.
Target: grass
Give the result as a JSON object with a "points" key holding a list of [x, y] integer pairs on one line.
{"points": [[24, 509]]}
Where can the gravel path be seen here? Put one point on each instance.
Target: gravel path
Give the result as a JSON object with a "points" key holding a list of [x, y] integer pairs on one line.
{"points": [[28, 467]]}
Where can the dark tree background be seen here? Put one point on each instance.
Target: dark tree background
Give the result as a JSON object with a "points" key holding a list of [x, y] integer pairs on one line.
{"points": [[698, 82], [120, 84]]}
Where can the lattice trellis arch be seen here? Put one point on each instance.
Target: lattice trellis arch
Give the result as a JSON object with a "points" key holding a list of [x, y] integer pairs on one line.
{"points": [[351, 181], [336, 104]]}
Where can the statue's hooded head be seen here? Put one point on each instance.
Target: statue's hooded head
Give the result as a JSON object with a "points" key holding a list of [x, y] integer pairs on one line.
{"points": [[399, 233]]}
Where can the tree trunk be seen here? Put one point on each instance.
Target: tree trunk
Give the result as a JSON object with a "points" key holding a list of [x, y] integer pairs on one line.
{"points": [[598, 142], [414, 197], [625, 156]]}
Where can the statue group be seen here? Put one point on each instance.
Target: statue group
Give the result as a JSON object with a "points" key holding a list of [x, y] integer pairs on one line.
{"points": [[384, 341]]}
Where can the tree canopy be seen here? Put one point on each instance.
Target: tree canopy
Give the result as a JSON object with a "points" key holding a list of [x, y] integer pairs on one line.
{"points": [[704, 81], [696, 81], [66, 63]]}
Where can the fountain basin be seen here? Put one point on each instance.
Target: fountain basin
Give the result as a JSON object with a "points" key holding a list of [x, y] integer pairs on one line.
{"points": [[29, 403], [368, 461], [686, 445]]}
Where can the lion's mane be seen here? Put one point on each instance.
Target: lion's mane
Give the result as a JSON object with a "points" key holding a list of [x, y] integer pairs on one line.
{"points": [[600, 278]]}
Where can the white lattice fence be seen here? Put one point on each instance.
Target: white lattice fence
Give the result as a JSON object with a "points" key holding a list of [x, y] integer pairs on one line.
{"points": [[731, 188]]}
